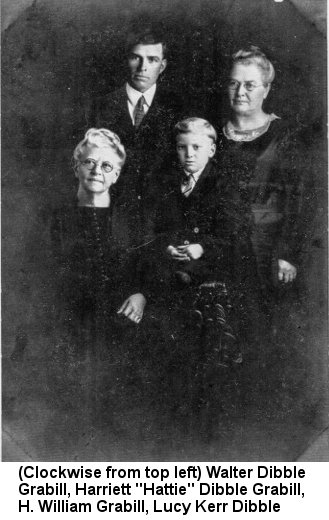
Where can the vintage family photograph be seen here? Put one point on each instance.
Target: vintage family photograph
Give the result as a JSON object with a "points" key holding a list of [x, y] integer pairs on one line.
{"points": [[164, 230]]}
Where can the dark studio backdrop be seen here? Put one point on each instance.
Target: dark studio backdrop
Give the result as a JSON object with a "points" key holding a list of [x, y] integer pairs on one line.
{"points": [[57, 57]]}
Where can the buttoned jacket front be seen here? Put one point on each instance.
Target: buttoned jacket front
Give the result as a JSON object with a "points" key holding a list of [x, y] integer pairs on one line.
{"points": [[201, 218]]}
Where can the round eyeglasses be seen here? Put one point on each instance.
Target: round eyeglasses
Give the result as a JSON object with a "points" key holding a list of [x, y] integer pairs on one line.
{"points": [[90, 164], [248, 85]]}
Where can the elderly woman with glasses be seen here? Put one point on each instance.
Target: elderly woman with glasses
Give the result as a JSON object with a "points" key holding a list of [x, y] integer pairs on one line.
{"points": [[257, 156], [99, 298]]}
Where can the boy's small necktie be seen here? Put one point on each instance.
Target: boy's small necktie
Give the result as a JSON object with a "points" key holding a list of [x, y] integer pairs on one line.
{"points": [[188, 185], [139, 111]]}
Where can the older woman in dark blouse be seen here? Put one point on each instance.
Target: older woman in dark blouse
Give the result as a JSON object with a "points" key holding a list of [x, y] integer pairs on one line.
{"points": [[98, 290], [257, 156]]}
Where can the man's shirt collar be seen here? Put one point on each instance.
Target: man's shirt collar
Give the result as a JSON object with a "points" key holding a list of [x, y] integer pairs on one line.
{"points": [[134, 95]]}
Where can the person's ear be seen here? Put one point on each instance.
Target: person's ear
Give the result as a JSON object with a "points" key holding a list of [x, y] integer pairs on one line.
{"points": [[212, 150], [163, 65], [116, 175], [75, 169], [267, 89]]}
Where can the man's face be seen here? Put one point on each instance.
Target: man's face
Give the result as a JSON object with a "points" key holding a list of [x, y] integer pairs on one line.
{"points": [[194, 151], [145, 64], [98, 169]]}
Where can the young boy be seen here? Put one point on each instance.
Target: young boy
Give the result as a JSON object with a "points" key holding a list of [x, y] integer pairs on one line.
{"points": [[192, 259], [191, 225]]}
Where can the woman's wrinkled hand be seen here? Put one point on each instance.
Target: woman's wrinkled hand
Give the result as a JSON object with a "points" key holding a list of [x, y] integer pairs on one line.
{"points": [[133, 307]]}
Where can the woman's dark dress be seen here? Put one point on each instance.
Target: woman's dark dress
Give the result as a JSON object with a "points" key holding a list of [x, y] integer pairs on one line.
{"points": [[263, 185], [94, 275]]}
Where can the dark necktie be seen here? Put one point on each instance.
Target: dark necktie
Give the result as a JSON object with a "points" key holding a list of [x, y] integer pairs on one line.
{"points": [[139, 111], [188, 185]]}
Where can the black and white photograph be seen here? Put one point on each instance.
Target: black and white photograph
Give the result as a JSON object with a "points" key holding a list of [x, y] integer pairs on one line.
{"points": [[164, 231]]}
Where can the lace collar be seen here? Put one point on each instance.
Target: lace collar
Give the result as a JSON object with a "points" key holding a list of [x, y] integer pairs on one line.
{"points": [[247, 135]]}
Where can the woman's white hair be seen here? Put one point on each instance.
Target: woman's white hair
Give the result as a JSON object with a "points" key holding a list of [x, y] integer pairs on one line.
{"points": [[101, 138]]}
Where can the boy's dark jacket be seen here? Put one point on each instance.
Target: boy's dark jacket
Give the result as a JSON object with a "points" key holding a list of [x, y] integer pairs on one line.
{"points": [[201, 218]]}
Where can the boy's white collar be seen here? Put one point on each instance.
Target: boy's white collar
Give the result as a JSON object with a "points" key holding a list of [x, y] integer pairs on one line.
{"points": [[196, 175]]}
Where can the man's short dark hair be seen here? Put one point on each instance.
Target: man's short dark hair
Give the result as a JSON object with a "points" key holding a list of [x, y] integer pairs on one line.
{"points": [[146, 38]]}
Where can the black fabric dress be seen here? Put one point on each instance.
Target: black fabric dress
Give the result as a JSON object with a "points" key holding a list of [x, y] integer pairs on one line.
{"points": [[94, 274], [263, 184]]}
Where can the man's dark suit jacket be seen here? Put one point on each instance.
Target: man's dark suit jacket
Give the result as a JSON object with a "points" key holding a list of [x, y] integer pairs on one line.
{"points": [[147, 147]]}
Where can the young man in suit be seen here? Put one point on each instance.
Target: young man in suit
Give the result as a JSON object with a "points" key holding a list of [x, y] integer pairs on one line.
{"points": [[143, 116]]}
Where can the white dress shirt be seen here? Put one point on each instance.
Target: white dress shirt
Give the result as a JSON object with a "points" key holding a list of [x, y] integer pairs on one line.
{"points": [[192, 179], [133, 98]]}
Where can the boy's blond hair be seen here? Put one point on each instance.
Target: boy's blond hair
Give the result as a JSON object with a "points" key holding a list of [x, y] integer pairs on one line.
{"points": [[195, 125]]}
